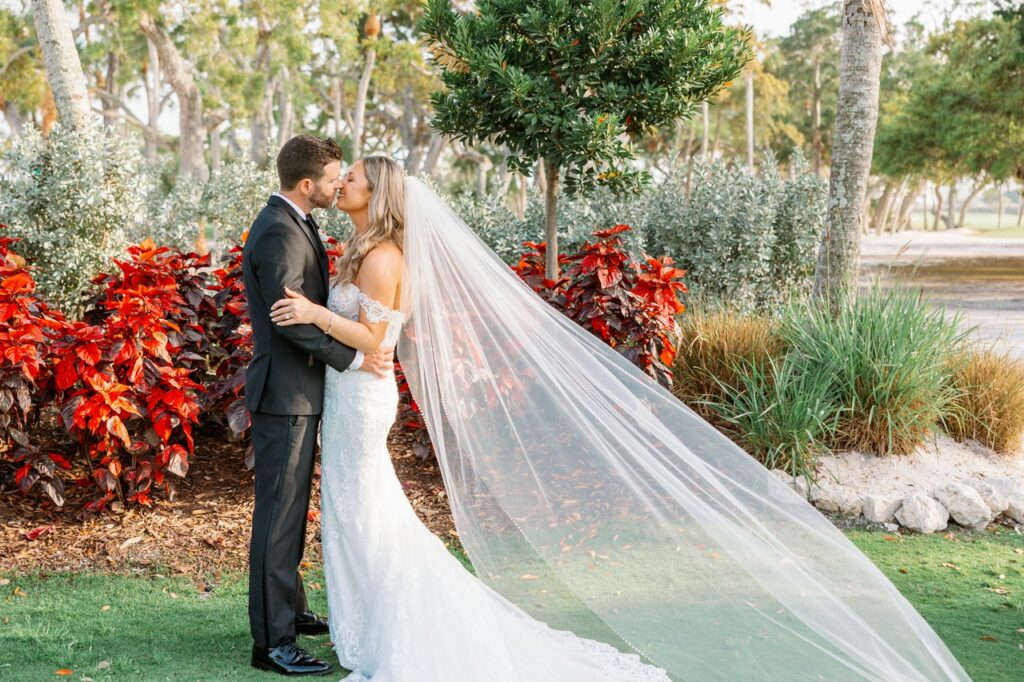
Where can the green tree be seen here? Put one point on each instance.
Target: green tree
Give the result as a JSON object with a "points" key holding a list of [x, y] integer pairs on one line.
{"points": [[807, 59], [571, 84]]}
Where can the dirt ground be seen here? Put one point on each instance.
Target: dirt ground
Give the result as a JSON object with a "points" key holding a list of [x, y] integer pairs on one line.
{"points": [[204, 529]]}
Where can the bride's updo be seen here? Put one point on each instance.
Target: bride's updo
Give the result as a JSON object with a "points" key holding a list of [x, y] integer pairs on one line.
{"points": [[386, 181]]}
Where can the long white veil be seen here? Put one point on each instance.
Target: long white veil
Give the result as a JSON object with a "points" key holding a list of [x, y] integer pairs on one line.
{"points": [[595, 500]]}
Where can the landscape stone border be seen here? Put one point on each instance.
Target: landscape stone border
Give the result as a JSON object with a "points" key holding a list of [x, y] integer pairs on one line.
{"points": [[972, 504]]}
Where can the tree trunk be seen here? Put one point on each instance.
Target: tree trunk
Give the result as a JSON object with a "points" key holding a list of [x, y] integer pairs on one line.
{"points": [[110, 113], [906, 208], [816, 119], [1020, 206], [891, 213], [215, 148], [551, 224], [286, 110], [937, 215], [705, 109], [884, 204], [359, 114], [63, 66], [433, 155], [718, 131], [860, 63], [950, 223], [999, 207], [750, 120], [190, 102], [15, 121], [541, 179], [969, 201], [151, 83]]}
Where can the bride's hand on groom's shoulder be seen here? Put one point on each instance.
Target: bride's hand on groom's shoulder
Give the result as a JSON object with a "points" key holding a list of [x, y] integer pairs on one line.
{"points": [[380, 362], [293, 309]]}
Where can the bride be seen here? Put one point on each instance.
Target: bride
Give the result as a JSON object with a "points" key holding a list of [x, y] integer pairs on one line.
{"points": [[614, 534]]}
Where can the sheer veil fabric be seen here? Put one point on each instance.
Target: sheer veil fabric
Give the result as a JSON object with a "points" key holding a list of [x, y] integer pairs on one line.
{"points": [[596, 501]]}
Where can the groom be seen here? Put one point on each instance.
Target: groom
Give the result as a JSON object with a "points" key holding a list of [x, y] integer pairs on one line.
{"points": [[284, 388]]}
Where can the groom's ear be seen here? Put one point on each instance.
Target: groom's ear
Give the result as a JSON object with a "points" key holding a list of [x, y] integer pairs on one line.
{"points": [[305, 186]]}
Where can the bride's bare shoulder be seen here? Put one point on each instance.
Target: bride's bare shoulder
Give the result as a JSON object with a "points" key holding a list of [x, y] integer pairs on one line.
{"points": [[384, 261]]}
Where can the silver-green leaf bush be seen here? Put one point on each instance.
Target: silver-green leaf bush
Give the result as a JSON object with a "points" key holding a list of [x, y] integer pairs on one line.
{"points": [[75, 199]]}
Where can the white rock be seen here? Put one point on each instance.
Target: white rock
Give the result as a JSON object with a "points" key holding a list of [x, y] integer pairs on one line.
{"points": [[965, 505], [993, 495], [1007, 486], [799, 483], [1015, 508], [922, 513], [834, 498], [881, 508], [893, 527]]}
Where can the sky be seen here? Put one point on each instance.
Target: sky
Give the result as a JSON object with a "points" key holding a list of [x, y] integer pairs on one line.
{"points": [[774, 19]]}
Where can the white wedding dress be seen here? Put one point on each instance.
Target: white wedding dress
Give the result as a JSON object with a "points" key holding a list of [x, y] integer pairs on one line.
{"points": [[401, 607]]}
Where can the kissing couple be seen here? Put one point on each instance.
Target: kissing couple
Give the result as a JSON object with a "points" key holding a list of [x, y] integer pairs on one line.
{"points": [[613, 534]]}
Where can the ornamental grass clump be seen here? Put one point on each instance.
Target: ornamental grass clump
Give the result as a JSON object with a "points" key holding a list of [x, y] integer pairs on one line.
{"points": [[886, 355], [718, 350], [988, 405], [779, 413]]}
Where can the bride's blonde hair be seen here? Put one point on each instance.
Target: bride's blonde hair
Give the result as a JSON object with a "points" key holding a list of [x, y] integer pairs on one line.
{"points": [[386, 181]]}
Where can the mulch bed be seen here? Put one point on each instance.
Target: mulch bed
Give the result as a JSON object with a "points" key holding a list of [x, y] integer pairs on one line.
{"points": [[204, 529]]}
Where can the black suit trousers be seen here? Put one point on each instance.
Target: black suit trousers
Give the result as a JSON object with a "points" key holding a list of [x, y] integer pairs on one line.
{"points": [[284, 453]]}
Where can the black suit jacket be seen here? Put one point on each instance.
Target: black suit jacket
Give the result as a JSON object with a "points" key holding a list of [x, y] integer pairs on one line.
{"points": [[286, 374]]}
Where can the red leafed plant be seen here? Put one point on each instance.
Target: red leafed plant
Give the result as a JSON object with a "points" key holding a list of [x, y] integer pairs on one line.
{"points": [[233, 334], [125, 395], [27, 329], [631, 305]]}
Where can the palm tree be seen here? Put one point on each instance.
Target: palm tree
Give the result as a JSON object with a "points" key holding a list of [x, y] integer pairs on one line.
{"points": [[865, 29], [63, 66]]}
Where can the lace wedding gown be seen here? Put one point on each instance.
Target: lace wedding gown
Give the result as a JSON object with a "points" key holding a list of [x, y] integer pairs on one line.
{"points": [[401, 607]]}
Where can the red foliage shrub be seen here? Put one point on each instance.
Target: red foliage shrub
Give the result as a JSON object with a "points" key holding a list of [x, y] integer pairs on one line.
{"points": [[124, 395], [233, 334], [27, 329], [630, 305]]}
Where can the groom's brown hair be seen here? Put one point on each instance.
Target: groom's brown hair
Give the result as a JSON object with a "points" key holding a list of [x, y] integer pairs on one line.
{"points": [[304, 156]]}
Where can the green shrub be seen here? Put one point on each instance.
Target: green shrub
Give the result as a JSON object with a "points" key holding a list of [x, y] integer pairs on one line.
{"points": [[74, 200], [746, 240], [780, 414], [225, 205], [886, 355]]}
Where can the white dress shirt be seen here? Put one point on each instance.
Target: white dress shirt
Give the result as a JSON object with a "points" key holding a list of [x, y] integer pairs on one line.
{"points": [[357, 361]]}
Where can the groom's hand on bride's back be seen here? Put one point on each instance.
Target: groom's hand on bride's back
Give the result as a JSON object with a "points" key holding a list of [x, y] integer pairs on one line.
{"points": [[381, 362]]}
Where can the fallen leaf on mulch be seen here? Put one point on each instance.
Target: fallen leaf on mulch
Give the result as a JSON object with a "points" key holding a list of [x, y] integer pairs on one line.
{"points": [[131, 541], [37, 533]]}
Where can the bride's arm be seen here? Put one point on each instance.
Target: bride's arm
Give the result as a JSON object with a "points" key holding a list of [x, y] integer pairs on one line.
{"points": [[379, 275]]}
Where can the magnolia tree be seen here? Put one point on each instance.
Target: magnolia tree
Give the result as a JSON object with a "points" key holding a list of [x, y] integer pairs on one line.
{"points": [[570, 84]]}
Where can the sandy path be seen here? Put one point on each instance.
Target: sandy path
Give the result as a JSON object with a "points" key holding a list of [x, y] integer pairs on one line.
{"points": [[983, 277]]}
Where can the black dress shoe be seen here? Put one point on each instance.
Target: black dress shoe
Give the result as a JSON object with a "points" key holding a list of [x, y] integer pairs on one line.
{"points": [[288, 658], [309, 623]]}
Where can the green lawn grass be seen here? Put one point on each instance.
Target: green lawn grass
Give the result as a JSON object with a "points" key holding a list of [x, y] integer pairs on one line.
{"points": [[156, 627]]}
